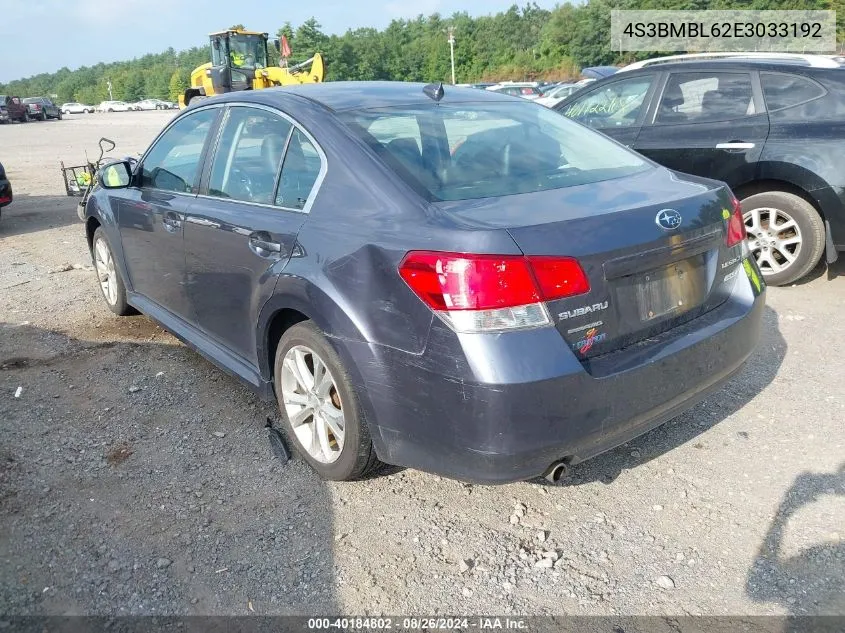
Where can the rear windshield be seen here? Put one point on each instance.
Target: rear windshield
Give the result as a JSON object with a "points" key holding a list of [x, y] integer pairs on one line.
{"points": [[32, 100], [482, 150]]}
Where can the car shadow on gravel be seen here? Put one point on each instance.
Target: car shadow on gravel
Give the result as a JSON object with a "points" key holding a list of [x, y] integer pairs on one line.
{"points": [[135, 479], [759, 371], [830, 271], [809, 581], [30, 214]]}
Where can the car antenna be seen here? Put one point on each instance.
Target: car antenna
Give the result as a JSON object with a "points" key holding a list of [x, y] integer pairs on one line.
{"points": [[434, 91]]}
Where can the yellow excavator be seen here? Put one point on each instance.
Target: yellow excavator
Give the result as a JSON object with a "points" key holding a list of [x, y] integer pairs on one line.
{"points": [[239, 62]]}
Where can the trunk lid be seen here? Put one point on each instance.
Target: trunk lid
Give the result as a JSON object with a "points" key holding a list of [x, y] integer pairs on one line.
{"points": [[646, 273]]}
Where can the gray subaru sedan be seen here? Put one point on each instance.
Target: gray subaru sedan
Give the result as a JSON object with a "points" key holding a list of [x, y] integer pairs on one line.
{"points": [[443, 278]]}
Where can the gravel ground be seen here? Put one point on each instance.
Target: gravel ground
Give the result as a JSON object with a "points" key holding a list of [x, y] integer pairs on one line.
{"points": [[136, 478]]}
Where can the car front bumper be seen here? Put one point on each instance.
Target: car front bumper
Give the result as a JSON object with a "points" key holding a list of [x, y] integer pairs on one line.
{"points": [[503, 408]]}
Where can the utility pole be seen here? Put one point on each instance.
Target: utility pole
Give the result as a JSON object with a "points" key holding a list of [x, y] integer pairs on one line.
{"points": [[108, 83], [452, 50]]}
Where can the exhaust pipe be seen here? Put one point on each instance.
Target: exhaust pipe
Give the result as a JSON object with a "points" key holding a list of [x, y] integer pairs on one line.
{"points": [[556, 472]]}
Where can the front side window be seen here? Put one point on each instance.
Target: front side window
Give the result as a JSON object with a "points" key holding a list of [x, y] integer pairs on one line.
{"points": [[617, 104], [482, 150], [173, 162], [702, 97], [248, 156]]}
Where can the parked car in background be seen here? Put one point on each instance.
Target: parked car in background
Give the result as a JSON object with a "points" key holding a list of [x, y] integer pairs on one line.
{"points": [[76, 108], [557, 94], [526, 90], [480, 86], [42, 108], [114, 106], [525, 330], [153, 104], [12, 109], [5, 188], [598, 72], [769, 126]]}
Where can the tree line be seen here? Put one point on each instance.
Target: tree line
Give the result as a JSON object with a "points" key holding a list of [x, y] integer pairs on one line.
{"points": [[525, 42]]}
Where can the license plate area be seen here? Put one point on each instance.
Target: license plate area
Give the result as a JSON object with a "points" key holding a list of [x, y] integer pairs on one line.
{"points": [[670, 290], [664, 292]]}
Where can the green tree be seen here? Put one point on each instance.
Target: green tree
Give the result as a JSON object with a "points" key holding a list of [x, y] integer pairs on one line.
{"points": [[178, 83]]}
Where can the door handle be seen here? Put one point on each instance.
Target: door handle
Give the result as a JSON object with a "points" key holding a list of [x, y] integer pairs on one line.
{"points": [[261, 244], [735, 145]]}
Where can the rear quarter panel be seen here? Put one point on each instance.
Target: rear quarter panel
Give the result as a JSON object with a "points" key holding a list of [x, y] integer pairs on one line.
{"points": [[344, 275]]}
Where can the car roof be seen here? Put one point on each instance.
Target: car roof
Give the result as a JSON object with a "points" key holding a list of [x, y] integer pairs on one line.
{"points": [[726, 63], [818, 61], [354, 95]]}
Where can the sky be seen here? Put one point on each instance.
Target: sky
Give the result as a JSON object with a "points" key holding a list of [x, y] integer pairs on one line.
{"points": [[44, 35]]}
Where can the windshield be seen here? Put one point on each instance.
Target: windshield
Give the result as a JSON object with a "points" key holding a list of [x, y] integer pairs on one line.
{"points": [[482, 150], [32, 100], [248, 51]]}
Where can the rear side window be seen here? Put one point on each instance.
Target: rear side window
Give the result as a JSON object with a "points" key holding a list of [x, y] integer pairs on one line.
{"points": [[483, 150], [299, 172], [702, 97], [784, 91], [249, 154]]}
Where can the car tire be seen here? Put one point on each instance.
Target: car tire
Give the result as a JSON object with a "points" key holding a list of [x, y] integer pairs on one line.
{"points": [[801, 238], [43, 116], [356, 457], [59, 117], [112, 288], [109, 110]]}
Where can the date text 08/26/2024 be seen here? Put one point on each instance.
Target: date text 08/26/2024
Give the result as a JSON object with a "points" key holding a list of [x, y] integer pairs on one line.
{"points": [[440, 623]]}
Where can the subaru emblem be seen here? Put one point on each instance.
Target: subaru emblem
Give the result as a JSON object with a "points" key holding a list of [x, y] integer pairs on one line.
{"points": [[668, 219]]}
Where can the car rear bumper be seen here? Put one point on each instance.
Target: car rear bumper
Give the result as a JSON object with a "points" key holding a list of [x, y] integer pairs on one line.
{"points": [[6, 196], [503, 408]]}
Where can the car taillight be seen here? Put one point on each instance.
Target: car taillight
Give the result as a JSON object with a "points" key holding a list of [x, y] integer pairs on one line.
{"points": [[736, 225], [484, 293]]}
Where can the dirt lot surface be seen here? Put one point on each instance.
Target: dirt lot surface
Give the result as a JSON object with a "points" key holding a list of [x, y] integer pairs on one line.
{"points": [[136, 478]]}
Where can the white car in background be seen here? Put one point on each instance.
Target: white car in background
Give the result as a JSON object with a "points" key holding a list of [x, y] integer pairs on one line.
{"points": [[152, 104], [76, 108], [114, 106], [524, 89], [557, 94]]}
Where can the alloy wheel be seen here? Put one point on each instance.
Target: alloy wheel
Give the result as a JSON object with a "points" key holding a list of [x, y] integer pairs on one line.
{"points": [[774, 239], [312, 404], [104, 263]]}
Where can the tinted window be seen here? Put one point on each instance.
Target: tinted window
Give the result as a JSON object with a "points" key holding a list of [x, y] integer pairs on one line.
{"points": [[700, 97], [249, 154], [617, 104], [783, 91], [173, 161], [299, 172], [469, 151]]}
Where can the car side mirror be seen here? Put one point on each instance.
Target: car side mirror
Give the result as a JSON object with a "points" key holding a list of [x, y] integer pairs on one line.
{"points": [[277, 45], [116, 175]]}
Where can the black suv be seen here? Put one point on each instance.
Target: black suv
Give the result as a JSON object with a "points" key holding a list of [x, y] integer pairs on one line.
{"points": [[772, 130], [42, 108]]}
